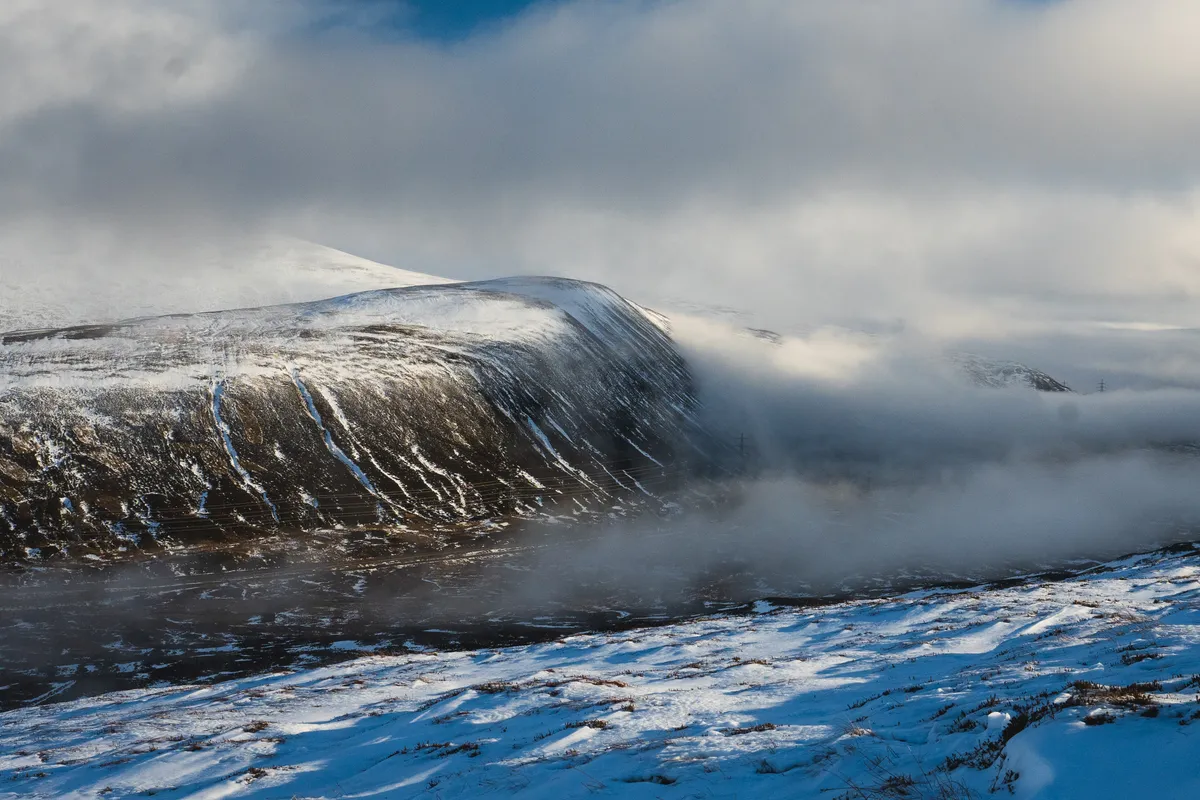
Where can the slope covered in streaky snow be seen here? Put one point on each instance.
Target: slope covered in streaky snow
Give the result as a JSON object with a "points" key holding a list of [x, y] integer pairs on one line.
{"points": [[1002, 374], [56, 287], [392, 408], [1083, 688]]}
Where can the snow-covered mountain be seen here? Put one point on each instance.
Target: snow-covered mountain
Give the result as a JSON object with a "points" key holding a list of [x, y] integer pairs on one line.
{"points": [[1001, 374], [403, 408], [69, 284], [239, 399]]}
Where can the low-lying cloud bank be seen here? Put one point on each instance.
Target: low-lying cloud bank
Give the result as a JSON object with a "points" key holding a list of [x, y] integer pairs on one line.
{"points": [[784, 534], [868, 462], [900, 404]]}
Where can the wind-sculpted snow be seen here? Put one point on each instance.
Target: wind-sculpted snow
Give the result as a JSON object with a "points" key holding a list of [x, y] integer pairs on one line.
{"points": [[1083, 688], [399, 408]]}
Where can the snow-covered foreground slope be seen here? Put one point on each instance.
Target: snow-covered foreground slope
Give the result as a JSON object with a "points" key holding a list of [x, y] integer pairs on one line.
{"points": [[1082, 688]]}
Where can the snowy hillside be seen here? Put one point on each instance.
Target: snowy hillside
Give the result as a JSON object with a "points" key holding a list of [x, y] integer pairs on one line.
{"points": [[74, 286], [1004, 374], [1083, 688], [399, 408]]}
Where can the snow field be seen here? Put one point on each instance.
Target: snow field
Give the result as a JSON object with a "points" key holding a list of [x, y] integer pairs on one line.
{"points": [[1082, 688]]}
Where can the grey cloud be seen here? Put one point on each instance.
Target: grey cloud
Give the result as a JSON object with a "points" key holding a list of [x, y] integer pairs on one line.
{"points": [[635, 105]]}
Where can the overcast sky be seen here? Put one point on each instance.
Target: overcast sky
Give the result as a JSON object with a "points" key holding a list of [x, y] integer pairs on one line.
{"points": [[1001, 173]]}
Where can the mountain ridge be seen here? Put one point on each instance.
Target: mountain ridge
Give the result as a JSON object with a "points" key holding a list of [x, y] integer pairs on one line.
{"points": [[396, 408]]}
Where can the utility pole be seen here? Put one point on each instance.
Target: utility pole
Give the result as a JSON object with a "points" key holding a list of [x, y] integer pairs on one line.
{"points": [[1101, 384]]}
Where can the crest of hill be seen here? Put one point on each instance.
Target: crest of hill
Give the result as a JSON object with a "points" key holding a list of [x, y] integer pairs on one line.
{"points": [[53, 287], [1000, 374]]}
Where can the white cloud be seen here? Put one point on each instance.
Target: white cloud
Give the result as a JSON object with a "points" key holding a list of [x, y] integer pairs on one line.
{"points": [[126, 57]]}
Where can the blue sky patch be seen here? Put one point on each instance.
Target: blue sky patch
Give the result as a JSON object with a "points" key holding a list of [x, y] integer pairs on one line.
{"points": [[440, 20]]}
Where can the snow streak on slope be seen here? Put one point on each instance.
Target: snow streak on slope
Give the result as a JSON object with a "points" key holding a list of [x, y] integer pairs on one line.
{"points": [[464, 400], [1083, 688]]}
